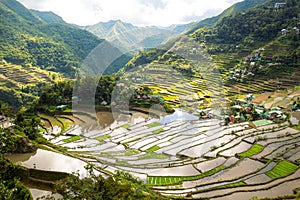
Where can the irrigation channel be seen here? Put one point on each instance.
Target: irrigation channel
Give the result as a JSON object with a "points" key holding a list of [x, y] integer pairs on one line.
{"points": [[182, 156]]}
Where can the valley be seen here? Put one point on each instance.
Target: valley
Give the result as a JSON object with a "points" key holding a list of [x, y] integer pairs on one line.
{"points": [[206, 110]]}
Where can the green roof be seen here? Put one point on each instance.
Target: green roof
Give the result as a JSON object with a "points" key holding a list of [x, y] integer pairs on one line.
{"points": [[261, 122]]}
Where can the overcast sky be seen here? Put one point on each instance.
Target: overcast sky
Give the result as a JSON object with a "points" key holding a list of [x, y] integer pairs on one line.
{"points": [[137, 12]]}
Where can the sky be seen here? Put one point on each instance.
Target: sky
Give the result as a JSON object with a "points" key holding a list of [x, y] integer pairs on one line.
{"points": [[137, 12]]}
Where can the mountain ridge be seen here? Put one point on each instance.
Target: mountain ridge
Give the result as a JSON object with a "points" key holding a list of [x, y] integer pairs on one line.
{"points": [[27, 39], [238, 7], [48, 16], [126, 35], [239, 35]]}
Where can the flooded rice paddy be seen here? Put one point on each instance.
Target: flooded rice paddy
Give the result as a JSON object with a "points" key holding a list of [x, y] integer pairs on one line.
{"points": [[176, 151]]}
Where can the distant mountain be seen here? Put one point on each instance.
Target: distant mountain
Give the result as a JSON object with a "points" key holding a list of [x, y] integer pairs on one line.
{"points": [[31, 37], [128, 36], [48, 17], [180, 28]]}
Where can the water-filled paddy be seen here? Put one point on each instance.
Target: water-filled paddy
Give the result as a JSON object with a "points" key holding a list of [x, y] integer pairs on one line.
{"points": [[50, 161]]}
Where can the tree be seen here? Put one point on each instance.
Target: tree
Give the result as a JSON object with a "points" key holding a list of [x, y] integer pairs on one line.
{"points": [[121, 186], [4, 109]]}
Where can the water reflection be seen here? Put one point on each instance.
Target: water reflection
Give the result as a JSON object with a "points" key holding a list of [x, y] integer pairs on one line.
{"points": [[178, 115], [106, 119], [50, 161]]}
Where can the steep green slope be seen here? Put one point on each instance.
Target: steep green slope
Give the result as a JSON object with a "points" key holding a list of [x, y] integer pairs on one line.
{"points": [[26, 39], [247, 53], [236, 36], [23, 13], [21, 84], [238, 7], [48, 17]]}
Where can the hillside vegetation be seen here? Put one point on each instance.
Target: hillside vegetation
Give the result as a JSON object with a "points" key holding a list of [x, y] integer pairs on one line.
{"points": [[26, 39], [239, 35], [21, 84], [238, 7]]}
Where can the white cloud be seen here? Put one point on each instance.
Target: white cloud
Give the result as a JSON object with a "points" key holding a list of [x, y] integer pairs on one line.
{"points": [[138, 12]]}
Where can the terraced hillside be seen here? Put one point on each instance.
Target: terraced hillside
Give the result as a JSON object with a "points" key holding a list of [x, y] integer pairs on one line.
{"points": [[185, 76], [256, 58], [266, 84], [195, 158], [207, 66], [20, 84]]}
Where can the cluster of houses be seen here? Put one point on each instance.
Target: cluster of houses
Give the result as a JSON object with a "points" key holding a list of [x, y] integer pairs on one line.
{"points": [[286, 31], [244, 110], [253, 64], [240, 75]]}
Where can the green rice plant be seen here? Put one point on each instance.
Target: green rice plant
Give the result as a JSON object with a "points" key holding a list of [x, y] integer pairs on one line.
{"points": [[131, 141], [131, 152], [255, 149], [72, 139], [42, 130], [63, 122], [231, 185], [127, 126], [282, 169], [122, 163], [154, 124], [153, 156], [158, 131], [52, 120], [102, 137], [172, 180], [152, 149]]}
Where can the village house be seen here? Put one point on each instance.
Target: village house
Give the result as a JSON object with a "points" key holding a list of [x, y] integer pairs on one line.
{"points": [[278, 6], [5, 122], [296, 30], [284, 31], [103, 103]]}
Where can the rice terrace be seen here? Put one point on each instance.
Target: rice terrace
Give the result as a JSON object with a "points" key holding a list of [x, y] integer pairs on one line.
{"points": [[205, 109]]}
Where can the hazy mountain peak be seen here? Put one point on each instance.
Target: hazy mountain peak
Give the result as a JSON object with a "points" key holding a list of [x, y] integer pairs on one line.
{"points": [[132, 37]]}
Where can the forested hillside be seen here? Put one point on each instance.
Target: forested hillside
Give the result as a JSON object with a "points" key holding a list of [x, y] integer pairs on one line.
{"points": [[48, 17], [26, 39], [238, 7], [261, 41]]}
